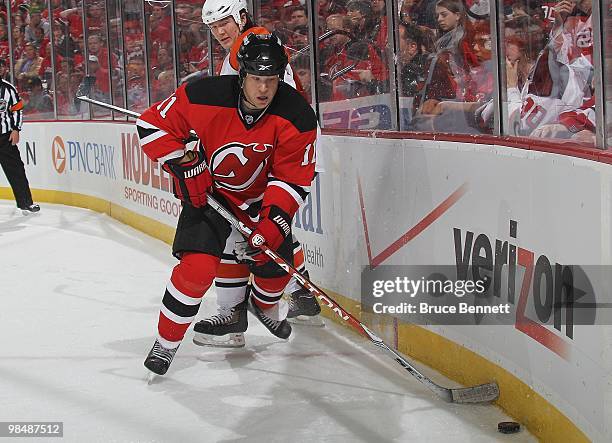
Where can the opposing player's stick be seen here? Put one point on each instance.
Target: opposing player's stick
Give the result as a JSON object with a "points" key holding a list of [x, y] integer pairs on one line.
{"points": [[472, 394]]}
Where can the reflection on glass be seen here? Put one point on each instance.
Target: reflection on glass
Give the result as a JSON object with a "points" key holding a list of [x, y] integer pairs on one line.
{"points": [[133, 35], [160, 41], [445, 67], [67, 28], [32, 73], [192, 39], [353, 63], [100, 62], [115, 47]]}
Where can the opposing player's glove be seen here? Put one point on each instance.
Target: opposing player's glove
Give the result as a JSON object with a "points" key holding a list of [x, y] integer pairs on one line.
{"points": [[272, 230], [192, 180]]}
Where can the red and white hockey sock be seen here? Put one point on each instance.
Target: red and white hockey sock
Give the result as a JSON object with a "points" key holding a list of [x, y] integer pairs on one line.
{"points": [[231, 283], [267, 293], [190, 280]]}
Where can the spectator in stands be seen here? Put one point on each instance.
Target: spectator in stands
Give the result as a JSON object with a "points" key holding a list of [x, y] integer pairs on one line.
{"points": [[576, 124], [29, 65], [380, 32], [451, 18], [40, 41], [38, 101], [517, 60], [361, 16], [163, 61], [160, 24], [17, 20], [97, 47], [354, 67], [96, 20], [447, 67], [73, 16], [299, 37], [36, 21], [423, 13], [474, 112], [137, 91], [165, 85], [64, 44], [411, 59], [4, 44], [298, 17], [18, 43], [101, 76], [65, 95], [4, 69], [560, 79], [46, 72], [193, 56], [301, 67]]}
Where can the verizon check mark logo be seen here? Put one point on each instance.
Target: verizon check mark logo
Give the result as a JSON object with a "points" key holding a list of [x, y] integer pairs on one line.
{"points": [[423, 224]]}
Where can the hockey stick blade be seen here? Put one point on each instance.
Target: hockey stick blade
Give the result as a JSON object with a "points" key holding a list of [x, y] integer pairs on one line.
{"points": [[476, 394], [484, 393], [472, 394]]}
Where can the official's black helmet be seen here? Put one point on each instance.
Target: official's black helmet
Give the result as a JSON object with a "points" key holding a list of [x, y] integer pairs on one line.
{"points": [[262, 54]]}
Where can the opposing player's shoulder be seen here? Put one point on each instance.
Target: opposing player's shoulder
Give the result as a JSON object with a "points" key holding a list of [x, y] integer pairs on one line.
{"points": [[290, 105], [214, 91]]}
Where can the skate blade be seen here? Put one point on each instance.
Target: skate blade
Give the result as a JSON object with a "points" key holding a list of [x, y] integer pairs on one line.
{"points": [[151, 378], [26, 213], [304, 320], [235, 340]]}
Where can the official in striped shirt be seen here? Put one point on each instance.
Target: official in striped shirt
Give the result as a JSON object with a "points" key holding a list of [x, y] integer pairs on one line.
{"points": [[10, 124]]}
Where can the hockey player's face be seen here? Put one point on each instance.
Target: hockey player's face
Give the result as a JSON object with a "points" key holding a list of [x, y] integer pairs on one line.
{"points": [[226, 31], [260, 90]]}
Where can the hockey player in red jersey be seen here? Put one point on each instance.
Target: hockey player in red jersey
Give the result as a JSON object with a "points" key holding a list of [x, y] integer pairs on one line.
{"points": [[257, 156], [230, 22]]}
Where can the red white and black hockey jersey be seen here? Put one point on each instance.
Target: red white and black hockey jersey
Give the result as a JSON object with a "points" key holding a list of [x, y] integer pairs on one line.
{"points": [[560, 78], [269, 162]]}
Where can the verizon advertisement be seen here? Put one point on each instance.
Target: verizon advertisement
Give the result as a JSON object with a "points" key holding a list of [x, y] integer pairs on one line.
{"points": [[529, 230]]}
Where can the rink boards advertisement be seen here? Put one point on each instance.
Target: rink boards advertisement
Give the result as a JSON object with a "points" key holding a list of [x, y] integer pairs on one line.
{"points": [[101, 160], [414, 202], [382, 203]]}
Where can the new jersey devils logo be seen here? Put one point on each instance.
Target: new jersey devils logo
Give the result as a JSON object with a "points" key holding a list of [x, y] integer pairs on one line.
{"points": [[235, 166]]}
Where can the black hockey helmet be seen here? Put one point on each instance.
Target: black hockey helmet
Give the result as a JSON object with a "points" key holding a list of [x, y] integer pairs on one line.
{"points": [[262, 54]]}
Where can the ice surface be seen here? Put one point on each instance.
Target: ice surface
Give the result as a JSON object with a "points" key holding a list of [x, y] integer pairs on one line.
{"points": [[79, 302]]}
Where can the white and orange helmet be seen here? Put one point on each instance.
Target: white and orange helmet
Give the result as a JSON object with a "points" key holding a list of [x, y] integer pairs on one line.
{"points": [[215, 10]]}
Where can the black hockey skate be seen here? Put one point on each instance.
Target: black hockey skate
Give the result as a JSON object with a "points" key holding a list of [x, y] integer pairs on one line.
{"points": [[302, 302], [30, 209], [304, 307], [282, 329], [224, 329], [159, 358]]}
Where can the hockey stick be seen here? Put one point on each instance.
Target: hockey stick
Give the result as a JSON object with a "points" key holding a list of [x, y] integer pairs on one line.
{"points": [[473, 394], [108, 106]]}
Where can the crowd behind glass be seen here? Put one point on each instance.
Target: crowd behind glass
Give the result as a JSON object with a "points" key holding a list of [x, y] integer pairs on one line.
{"points": [[447, 59]]}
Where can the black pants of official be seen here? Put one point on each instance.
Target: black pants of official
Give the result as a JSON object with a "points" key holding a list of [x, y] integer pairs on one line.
{"points": [[11, 163]]}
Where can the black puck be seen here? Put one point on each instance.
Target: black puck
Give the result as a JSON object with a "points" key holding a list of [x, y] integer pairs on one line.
{"points": [[508, 427]]}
